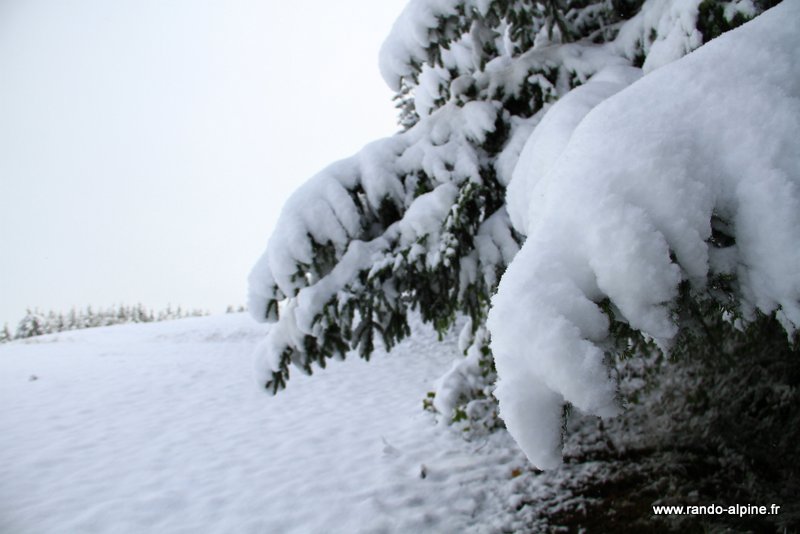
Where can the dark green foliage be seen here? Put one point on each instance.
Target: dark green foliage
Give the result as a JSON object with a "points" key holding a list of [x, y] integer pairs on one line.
{"points": [[711, 20], [638, 59], [763, 5], [625, 9], [427, 402]]}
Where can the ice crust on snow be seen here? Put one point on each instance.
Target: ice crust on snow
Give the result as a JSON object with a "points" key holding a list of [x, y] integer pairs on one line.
{"points": [[636, 184]]}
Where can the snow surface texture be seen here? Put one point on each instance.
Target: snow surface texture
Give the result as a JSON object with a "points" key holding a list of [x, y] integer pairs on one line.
{"points": [[160, 428], [712, 134]]}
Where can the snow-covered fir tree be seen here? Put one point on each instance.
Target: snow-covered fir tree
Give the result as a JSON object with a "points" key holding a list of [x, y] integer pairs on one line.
{"points": [[33, 324], [37, 323], [491, 95], [5, 334]]}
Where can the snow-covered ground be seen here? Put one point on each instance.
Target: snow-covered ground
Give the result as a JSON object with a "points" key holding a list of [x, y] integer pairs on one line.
{"points": [[162, 428]]}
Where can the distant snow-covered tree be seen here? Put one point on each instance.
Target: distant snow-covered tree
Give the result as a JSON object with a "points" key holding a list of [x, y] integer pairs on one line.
{"points": [[33, 324], [5, 334], [36, 323], [419, 221]]}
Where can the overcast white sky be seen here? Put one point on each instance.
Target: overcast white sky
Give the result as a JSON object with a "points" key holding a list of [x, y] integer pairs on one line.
{"points": [[146, 146]]}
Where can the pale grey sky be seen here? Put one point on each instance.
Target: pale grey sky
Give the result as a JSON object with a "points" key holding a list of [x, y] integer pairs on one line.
{"points": [[146, 146]]}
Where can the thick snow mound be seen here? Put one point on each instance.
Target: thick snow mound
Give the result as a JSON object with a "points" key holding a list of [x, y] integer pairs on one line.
{"points": [[548, 140], [624, 211]]}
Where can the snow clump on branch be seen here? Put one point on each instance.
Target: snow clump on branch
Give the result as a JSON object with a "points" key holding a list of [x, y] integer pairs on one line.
{"points": [[625, 210]]}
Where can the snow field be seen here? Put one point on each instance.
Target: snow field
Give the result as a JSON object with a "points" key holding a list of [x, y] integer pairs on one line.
{"points": [[161, 428]]}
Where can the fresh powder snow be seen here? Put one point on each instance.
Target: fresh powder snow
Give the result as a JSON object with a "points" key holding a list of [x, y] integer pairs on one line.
{"points": [[161, 427]]}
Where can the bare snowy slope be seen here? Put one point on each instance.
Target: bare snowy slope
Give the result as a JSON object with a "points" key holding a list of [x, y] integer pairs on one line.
{"points": [[162, 428]]}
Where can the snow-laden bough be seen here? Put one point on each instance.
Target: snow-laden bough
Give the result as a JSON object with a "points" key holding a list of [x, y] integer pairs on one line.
{"points": [[623, 211]]}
